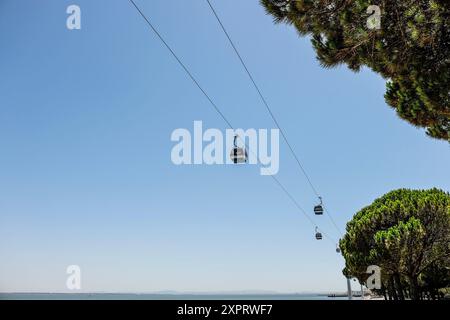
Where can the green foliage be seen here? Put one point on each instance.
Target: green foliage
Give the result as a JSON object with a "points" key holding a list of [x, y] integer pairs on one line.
{"points": [[407, 234], [411, 50]]}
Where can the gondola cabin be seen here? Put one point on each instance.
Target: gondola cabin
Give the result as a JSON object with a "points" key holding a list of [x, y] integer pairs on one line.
{"points": [[318, 234], [318, 210], [238, 154]]}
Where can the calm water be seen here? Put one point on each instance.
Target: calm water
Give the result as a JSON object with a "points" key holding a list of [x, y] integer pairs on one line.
{"points": [[124, 296]]}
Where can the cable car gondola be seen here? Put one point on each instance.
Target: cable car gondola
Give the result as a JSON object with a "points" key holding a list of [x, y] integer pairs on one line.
{"points": [[318, 210], [318, 234], [338, 250], [238, 155]]}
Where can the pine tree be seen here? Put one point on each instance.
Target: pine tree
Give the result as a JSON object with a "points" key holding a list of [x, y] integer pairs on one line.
{"points": [[407, 234], [411, 49]]}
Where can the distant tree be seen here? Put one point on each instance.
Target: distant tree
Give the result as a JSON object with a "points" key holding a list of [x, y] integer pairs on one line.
{"points": [[411, 49], [407, 234]]}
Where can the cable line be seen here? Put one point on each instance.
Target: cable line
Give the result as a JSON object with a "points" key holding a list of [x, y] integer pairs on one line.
{"points": [[264, 101], [181, 64], [216, 108]]}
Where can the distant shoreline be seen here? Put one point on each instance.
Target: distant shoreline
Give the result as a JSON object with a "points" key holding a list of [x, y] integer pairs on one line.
{"points": [[167, 296]]}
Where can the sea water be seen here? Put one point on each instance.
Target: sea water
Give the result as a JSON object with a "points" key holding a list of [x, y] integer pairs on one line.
{"points": [[144, 296]]}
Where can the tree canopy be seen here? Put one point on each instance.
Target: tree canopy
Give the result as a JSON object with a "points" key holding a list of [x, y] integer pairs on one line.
{"points": [[411, 49], [407, 234]]}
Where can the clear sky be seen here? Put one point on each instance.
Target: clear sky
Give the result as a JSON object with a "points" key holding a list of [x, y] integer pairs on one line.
{"points": [[85, 170]]}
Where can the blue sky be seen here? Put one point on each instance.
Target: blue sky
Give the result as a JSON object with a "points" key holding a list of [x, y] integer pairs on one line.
{"points": [[85, 170]]}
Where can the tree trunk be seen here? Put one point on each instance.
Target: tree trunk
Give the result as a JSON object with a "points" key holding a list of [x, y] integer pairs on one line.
{"points": [[383, 291], [389, 290], [415, 294], [406, 293], [392, 288], [398, 286]]}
